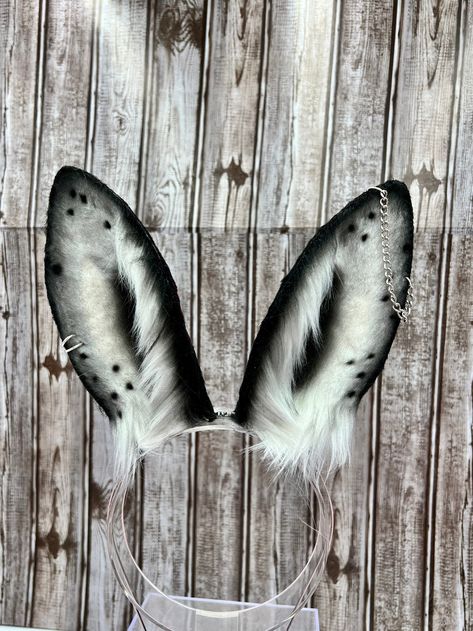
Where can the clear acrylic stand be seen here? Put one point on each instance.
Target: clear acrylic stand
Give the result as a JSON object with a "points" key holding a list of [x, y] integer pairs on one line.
{"points": [[202, 614]]}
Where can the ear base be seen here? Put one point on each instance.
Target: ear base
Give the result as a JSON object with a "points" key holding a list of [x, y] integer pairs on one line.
{"points": [[327, 335], [108, 285]]}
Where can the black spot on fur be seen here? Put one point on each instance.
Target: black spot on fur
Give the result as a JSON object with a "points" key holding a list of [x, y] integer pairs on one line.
{"points": [[350, 362], [370, 356], [129, 386], [73, 193], [83, 198], [57, 269], [95, 378], [351, 227], [351, 394], [70, 211], [119, 414], [371, 215], [115, 368], [107, 225], [364, 237], [84, 355], [114, 396], [385, 298], [360, 375]]}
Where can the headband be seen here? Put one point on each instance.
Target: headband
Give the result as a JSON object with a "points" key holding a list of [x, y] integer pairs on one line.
{"points": [[322, 344]]}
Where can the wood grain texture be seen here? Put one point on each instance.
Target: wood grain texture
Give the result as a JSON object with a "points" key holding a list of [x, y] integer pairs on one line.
{"points": [[461, 209], [423, 106], [452, 553], [355, 156], [219, 487], [106, 605], [405, 423], [359, 117], [115, 122], [342, 595], [20, 25], [167, 492], [300, 41], [119, 100], [278, 537], [63, 119], [17, 427], [231, 104], [60, 482], [262, 119], [171, 133]]}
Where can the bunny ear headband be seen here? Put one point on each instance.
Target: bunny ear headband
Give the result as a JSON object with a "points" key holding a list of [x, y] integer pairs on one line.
{"points": [[321, 345]]}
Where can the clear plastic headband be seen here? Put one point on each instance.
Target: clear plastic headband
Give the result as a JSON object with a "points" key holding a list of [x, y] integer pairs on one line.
{"points": [[249, 618]]}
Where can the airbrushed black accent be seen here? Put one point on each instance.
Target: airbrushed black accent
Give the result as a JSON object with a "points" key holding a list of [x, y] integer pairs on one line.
{"points": [[191, 383], [291, 284], [305, 369]]}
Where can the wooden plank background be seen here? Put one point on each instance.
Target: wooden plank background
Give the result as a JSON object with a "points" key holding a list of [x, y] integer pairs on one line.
{"points": [[235, 129]]}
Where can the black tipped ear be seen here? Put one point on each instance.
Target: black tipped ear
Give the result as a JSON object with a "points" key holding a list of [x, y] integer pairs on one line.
{"points": [[328, 333], [110, 288]]}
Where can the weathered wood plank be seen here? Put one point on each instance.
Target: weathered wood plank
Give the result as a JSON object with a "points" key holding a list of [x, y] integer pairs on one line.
{"points": [[60, 482], [297, 86], [65, 94], [106, 606], [172, 124], [115, 158], [231, 113], [167, 491], [461, 210], [20, 24], [452, 554], [356, 162], [219, 489], [341, 595], [17, 409], [423, 106], [277, 537], [119, 104], [401, 490], [360, 108]]}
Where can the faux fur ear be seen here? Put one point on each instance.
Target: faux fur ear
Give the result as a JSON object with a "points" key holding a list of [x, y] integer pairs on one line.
{"points": [[111, 289], [327, 335]]}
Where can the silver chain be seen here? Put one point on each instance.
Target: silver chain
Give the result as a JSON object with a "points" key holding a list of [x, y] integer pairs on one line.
{"points": [[402, 312]]}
